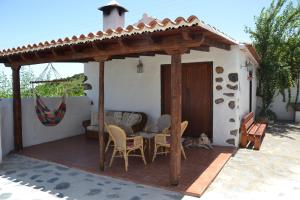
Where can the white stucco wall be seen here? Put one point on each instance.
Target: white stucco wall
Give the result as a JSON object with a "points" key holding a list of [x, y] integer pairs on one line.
{"points": [[7, 139], [78, 109], [0, 134], [279, 107], [125, 89], [244, 84]]}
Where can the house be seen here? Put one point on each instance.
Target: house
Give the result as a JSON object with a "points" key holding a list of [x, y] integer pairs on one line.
{"points": [[219, 90], [183, 67]]}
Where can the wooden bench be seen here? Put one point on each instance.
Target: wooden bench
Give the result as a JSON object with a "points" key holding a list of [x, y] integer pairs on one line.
{"points": [[252, 132]]}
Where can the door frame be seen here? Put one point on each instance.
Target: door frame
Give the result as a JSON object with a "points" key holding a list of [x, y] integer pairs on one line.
{"points": [[162, 88]]}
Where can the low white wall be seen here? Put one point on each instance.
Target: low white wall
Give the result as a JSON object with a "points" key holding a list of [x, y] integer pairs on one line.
{"points": [[125, 89], [34, 132], [7, 139], [282, 112], [280, 109], [0, 134]]}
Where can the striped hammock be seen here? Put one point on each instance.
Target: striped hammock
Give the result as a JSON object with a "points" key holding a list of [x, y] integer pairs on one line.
{"points": [[48, 117]]}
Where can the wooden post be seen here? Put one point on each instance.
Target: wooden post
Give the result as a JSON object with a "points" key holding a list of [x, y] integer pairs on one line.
{"points": [[17, 108], [101, 115], [176, 84]]}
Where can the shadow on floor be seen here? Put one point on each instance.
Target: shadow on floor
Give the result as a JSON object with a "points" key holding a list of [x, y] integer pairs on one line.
{"points": [[64, 182], [283, 129]]}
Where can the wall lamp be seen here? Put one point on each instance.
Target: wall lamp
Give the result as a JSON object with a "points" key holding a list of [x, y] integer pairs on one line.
{"points": [[140, 67]]}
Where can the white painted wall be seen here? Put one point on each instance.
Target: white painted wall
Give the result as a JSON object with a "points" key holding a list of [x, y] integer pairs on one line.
{"points": [[78, 109], [0, 134], [279, 107], [7, 139], [244, 84], [127, 90]]}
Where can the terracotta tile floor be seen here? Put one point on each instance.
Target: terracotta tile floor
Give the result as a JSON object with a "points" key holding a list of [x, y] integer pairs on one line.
{"points": [[197, 172]]}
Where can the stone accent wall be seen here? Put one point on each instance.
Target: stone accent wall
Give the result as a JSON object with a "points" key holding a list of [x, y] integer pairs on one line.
{"points": [[227, 86]]}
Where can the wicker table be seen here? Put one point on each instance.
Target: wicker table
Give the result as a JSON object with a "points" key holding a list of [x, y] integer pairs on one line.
{"points": [[147, 137]]}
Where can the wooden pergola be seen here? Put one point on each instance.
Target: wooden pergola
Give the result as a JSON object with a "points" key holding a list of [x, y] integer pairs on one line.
{"points": [[168, 38]]}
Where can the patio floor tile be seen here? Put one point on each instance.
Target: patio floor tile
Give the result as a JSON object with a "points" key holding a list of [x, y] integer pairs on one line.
{"points": [[79, 152], [30, 179]]}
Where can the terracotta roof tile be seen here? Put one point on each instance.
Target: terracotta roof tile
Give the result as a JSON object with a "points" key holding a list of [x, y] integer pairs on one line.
{"points": [[253, 51], [74, 38], [99, 33], [67, 39], [91, 35], [141, 28]]}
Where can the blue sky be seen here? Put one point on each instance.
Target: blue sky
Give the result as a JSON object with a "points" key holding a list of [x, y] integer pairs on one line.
{"points": [[31, 21]]}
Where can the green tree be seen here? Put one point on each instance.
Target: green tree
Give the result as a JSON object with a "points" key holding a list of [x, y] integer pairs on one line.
{"points": [[26, 75], [274, 28], [72, 87], [292, 55], [5, 86]]}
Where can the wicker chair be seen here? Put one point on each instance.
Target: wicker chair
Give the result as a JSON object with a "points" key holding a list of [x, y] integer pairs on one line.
{"points": [[162, 140], [109, 121], [124, 146], [163, 124]]}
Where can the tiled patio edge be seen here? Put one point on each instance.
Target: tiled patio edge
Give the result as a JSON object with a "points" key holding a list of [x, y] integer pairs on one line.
{"points": [[207, 177]]}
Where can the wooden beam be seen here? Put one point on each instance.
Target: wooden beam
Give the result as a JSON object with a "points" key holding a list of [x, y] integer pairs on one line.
{"points": [[74, 50], [53, 81], [136, 47], [186, 35], [177, 51], [23, 57], [10, 60], [201, 48], [101, 112], [117, 58], [54, 52], [149, 38], [214, 43], [36, 54], [132, 56], [176, 84], [17, 108], [95, 46], [121, 43]]}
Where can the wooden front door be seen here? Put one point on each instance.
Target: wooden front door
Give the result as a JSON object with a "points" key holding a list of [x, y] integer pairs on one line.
{"points": [[197, 102]]}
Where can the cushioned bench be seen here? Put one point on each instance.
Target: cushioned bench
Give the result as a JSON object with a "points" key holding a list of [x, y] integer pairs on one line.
{"points": [[252, 132], [131, 122]]}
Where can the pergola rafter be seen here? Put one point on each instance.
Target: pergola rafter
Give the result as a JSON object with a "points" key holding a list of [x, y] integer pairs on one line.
{"points": [[121, 47]]}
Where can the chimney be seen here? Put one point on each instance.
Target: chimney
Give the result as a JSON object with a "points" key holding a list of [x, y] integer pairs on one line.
{"points": [[113, 15]]}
